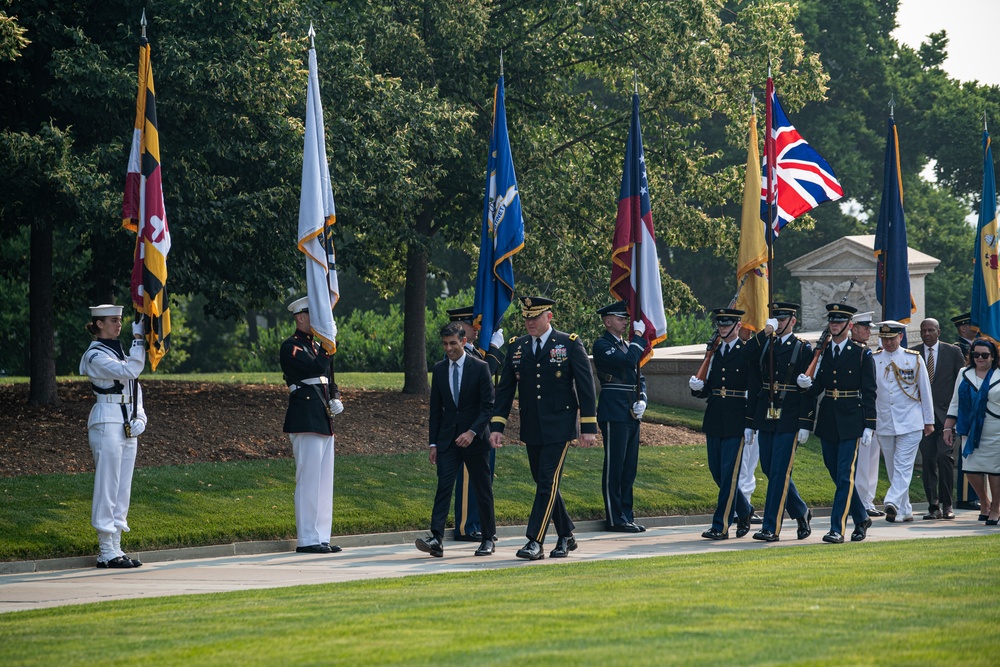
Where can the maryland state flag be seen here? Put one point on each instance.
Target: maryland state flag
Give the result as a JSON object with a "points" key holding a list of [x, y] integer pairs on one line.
{"points": [[143, 213], [892, 288], [503, 229], [751, 263], [317, 216], [635, 266], [986, 279]]}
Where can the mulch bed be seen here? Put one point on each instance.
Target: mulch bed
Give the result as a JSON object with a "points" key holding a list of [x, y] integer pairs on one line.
{"points": [[193, 422]]}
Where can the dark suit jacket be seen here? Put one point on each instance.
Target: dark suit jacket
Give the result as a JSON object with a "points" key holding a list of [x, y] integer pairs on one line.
{"points": [[845, 418], [550, 388], [301, 358], [725, 416], [948, 363], [475, 402], [616, 373]]}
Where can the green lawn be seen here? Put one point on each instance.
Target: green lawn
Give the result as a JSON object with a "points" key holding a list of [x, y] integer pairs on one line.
{"points": [[925, 602], [378, 381], [47, 516]]}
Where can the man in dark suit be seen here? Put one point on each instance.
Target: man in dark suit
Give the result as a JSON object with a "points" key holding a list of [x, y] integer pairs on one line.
{"points": [[461, 406], [550, 372], [726, 435], [944, 362], [781, 415], [846, 376], [967, 498], [312, 404], [467, 528], [619, 411]]}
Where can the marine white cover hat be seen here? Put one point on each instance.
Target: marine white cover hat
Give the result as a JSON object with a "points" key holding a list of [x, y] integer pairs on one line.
{"points": [[299, 305], [106, 310]]}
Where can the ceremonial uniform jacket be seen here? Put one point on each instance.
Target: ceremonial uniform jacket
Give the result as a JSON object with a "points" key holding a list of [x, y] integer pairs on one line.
{"points": [[551, 389], [112, 378], [616, 366], [845, 417], [965, 346], [494, 357], [798, 411], [726, 391], [905, 402], [304, 365]]}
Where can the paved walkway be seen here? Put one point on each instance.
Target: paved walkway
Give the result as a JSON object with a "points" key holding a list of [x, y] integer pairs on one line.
{"points": [[257, 565]]}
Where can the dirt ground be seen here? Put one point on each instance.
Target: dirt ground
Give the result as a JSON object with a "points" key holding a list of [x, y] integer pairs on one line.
{"points": [[192, 422]]}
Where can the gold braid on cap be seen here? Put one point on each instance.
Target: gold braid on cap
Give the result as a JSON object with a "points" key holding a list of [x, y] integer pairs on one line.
{"points": [[529, 311]]}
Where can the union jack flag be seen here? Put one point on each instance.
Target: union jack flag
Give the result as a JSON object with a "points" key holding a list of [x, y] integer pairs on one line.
{"points": [[801, 179]]}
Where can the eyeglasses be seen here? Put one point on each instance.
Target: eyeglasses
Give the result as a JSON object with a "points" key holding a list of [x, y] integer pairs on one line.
{"points": [[981, 355]]}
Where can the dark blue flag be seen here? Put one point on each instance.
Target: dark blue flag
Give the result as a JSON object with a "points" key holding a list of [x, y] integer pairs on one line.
{"points": [[892, 286], [986, 279]]}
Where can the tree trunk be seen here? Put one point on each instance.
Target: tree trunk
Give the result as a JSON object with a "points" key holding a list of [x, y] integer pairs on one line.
{"points": [[41, 322], [414, 305]]}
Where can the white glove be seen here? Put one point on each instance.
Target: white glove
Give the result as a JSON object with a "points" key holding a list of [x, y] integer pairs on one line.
{"points": [[639, 327], [866, 437], [638, 408], [336, 406], [496, 340], [803, 435], [748, 437], [696, 384], [771, 322], [136, 427], [138, 329], [804, 381], [334, 323]]}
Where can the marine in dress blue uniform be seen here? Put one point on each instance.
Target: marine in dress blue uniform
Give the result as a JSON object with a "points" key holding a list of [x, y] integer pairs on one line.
{"points": [[619, 411], [782, 417], [467, 524], [550, 372], [312, 404], [846, 420], [724, 424]]}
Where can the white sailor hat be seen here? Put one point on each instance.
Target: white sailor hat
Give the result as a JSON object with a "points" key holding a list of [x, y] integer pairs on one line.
{"points": [[299, 306], [890, 329], [864, 319], [106, 310]]}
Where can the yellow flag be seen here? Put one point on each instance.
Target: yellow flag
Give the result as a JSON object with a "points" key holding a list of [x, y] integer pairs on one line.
{"points": [[752, 259]]}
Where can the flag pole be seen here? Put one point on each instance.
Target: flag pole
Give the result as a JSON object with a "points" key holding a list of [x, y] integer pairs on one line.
{"points": [[637, 236], [771, 167]]}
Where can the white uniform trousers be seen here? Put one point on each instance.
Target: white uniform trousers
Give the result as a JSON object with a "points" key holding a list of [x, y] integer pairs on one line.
{"points": [[900, 452], [866, 475], [748, 469], [313, 487], [114, 463]]}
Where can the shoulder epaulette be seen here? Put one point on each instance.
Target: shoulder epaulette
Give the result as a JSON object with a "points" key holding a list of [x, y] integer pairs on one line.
{"points": [[909, 351], [512, 339], [878, 351], [573, 336]]}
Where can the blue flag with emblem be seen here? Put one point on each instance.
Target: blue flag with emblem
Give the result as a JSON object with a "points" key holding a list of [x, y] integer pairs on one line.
{"points": [[892, 287], [503, 230], [986, 278]]}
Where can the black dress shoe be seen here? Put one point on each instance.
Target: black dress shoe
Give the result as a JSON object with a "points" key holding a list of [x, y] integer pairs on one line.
{"points": [[947, 514], [486, 548], [563, 546], [890, 512], [430, 545], [765, 536], [742, 527], [983, 517], [116, 563], [642, 529], [804, 529], [861, 531], [531, 551], [875, 512], [625, 528], [714, 534], [833, 537], [756, 519], [968, 505], [135, 561], [333, 547], [469, 537], [992, 522], [313, 549]]}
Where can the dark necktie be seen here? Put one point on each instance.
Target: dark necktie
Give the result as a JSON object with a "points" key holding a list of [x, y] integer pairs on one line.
{"points": [[454, 381], [836, 352], [538, 347], [930, 364]]}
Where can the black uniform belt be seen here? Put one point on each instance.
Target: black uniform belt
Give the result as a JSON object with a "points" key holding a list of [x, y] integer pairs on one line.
{"points": [[843, 393], [618, 387], [729, 393], [782, 387]]}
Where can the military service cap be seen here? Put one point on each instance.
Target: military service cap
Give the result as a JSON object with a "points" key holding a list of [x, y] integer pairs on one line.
{"points": [[106, 310], [863, 319], [299, 306], [533, 306], [783, 309], [619, 309], [964, 318], [890, 329], [727, 315], [463, 314], [839, 312]]}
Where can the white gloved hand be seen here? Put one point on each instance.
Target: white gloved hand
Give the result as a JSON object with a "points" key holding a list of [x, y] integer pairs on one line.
{"points": [[771, 322], [748, 437], [638, 408], [804, 381], [336, 406], [696, 384], [803, 435], [866, 437], [138, 329], [334, 323], [496, 340], [136, 427], [639, 327]]}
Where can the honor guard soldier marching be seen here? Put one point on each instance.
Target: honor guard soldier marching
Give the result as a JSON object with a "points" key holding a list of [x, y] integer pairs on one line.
{"points": [[966, 332], [116, 421], [966, 497], [866, 476], [550, 372], [845, 373], [905, 413], [467, 528], [726, 435], [619, 411], [312, 404], [781, 415]]}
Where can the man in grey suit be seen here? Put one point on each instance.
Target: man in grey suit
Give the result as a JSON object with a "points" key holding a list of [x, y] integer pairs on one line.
{"points": [[944, 362]]}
